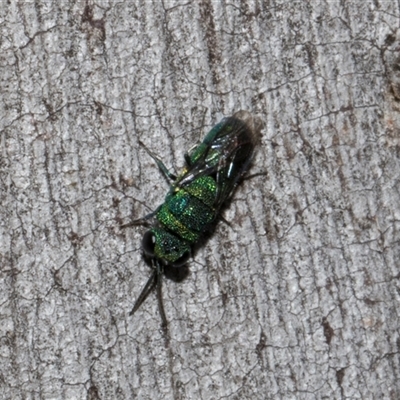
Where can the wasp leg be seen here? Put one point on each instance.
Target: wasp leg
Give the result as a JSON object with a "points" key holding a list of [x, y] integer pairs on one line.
{"points": [[248, 177], [141, 221], [225, 221], [160, 272], [169, 175], [145, 292], [187, 156], [187, 159]]}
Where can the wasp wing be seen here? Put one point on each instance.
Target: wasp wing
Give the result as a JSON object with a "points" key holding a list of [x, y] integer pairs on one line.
{"points": [[237, 155], [225, 153]]}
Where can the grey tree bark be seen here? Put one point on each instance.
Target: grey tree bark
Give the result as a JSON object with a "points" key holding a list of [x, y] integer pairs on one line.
{"points": [[298, 298]]}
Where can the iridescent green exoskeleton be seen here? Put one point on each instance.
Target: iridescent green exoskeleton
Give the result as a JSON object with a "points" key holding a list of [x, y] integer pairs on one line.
{"points": [[213, 169]]}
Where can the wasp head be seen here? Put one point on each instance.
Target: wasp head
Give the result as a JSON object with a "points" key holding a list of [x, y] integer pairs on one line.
{"points": [[165, 247]]}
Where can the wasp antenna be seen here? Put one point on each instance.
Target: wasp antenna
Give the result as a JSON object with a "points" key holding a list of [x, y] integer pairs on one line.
{"points": [[159, 272], [145, 292]]}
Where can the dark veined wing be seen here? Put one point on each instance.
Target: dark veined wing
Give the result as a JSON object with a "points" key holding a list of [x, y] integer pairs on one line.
{"points": [[226, 152]]}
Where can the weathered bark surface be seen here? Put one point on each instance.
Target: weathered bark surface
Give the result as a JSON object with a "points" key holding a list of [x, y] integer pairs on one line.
{"points": [[299, 298]]}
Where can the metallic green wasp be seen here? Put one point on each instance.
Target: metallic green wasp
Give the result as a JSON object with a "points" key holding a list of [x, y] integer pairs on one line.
{"points": [[192, 205]]}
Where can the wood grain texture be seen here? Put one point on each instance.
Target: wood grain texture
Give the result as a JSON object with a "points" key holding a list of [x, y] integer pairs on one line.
{"points": [[299, 298]]}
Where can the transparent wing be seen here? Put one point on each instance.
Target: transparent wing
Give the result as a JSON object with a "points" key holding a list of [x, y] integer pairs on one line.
{"points": [[225, 153]]}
